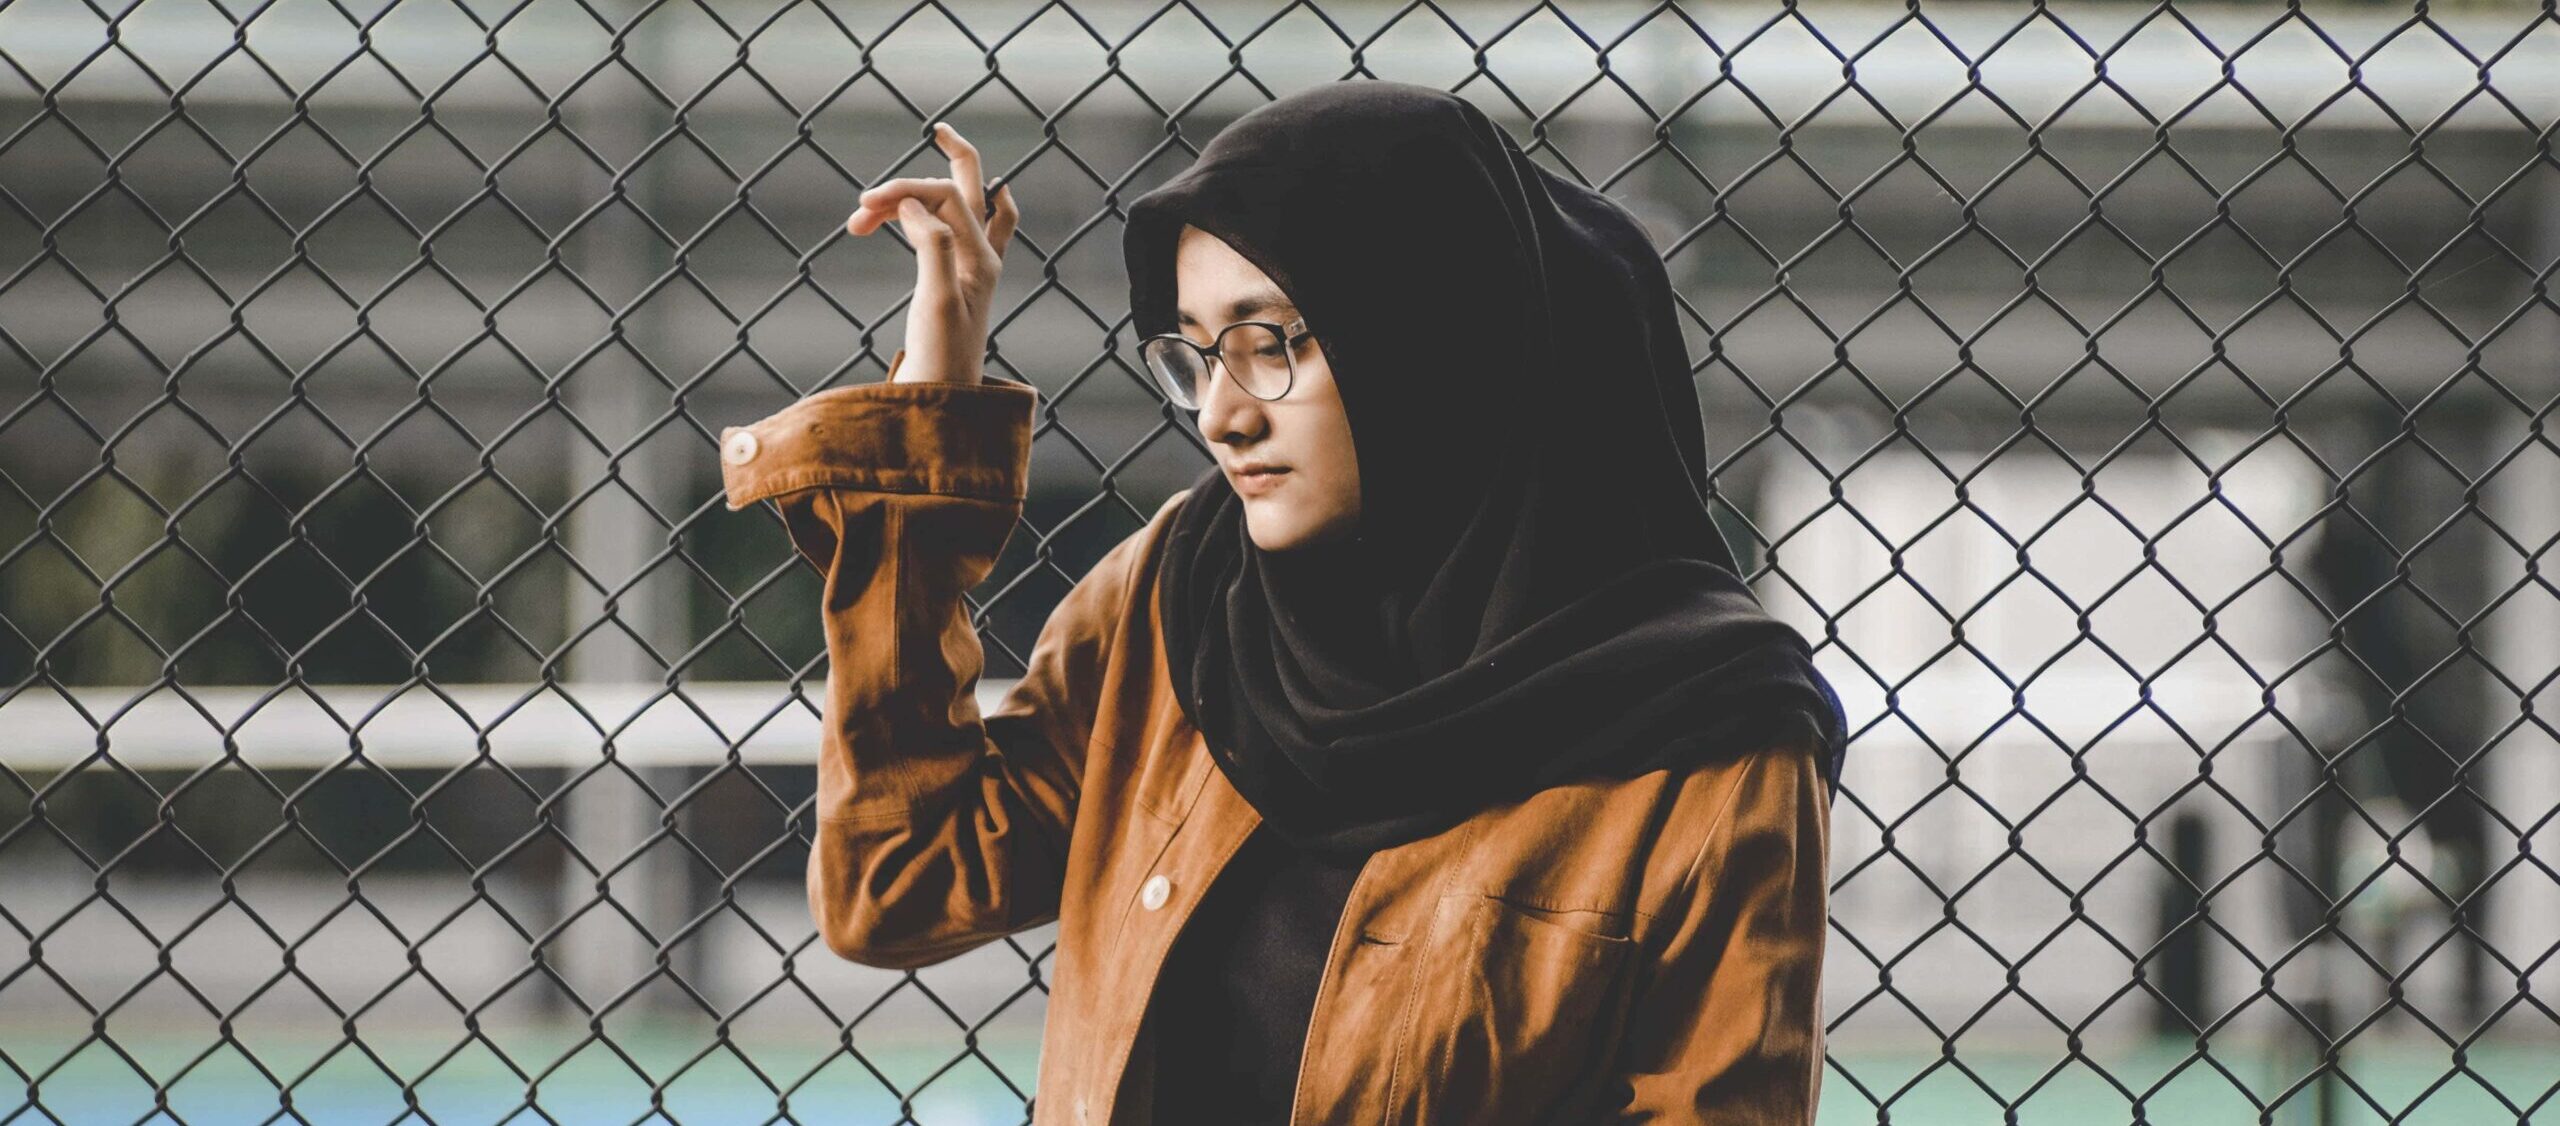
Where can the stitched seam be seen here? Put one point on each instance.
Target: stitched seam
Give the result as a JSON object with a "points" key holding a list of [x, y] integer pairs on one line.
{"points": [[1412, 981], [1404, 1019], [1526, 906], [921, 388], [1648, 945], [894, 525], [1136, 610], [902, 813], [937, 950], [1129, 604], [1544, 904], [1724, 813], [871, 480]]}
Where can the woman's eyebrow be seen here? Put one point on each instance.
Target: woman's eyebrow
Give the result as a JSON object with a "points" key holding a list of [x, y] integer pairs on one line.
{"points": [[1249, 304]]}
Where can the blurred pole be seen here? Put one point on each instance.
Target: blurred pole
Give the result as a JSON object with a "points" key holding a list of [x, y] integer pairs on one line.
{"points": [[2436, 763], [2184, 983], [2349, 565], [608, 817], [2523, 640], [2304, 1043]]}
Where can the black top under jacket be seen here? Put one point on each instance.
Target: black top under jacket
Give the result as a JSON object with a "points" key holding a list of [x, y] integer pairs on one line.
{"points": [[1231, 1004]]}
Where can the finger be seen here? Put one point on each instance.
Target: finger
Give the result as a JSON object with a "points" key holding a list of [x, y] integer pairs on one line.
{"points": [[871, 214], [965, 173], [941, 195], [879, 203], [1007, 217]]}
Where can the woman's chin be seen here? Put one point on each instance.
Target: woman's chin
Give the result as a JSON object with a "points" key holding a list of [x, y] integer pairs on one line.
{"points": [[1268, 543], [1271, 531]]}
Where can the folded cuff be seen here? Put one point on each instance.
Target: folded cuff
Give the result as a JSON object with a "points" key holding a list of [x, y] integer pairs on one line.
{"points": [[927, 436]]}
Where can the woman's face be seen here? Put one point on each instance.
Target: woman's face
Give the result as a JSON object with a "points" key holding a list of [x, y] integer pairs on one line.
{"points": [[1317, 498]]}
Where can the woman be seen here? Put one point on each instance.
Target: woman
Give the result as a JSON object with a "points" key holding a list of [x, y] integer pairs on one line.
{"points": [[1475, 784]]}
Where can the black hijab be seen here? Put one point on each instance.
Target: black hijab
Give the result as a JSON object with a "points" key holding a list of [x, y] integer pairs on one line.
{"points": [[1536, 593]]}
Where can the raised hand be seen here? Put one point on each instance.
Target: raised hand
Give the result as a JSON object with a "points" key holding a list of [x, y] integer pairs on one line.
{"points": [[958, 259]]}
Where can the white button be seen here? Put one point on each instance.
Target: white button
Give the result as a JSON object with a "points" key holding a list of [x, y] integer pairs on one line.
{"points": [[1153, 894], [740, 448], [1081, 1116]]}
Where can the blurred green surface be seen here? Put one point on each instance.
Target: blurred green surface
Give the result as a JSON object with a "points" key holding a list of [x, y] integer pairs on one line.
{"points": [[573, 1080]]}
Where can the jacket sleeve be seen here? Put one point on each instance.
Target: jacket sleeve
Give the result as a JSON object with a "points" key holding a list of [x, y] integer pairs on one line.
{"points": [[937, 829], [1727, 1024]]}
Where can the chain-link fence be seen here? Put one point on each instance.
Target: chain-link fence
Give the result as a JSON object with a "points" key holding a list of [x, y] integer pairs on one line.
{"points": [[2144, 407]]}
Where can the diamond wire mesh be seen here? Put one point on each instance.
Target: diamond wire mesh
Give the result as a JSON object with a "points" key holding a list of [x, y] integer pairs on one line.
{"points": [[2144, 409]]}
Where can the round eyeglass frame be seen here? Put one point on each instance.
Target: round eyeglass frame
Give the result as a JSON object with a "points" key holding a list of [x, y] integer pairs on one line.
{"points": [[1213, 354]]}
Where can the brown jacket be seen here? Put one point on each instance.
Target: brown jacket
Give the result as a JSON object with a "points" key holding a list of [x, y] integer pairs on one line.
{"points": [[1646, 949]]}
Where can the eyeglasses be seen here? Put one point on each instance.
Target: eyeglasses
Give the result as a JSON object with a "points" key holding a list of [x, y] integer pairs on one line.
{"points": [[1259, 355]]}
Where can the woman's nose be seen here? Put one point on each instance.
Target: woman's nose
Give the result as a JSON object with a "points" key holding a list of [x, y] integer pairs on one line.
{"points": [[1227, 411]]}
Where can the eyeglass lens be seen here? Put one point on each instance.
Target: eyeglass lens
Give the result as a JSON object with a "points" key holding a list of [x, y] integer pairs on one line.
{"points": [[1252, 353]]}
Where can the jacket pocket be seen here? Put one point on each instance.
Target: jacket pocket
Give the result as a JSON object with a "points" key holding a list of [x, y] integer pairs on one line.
{"points": [[1516, 1009]]}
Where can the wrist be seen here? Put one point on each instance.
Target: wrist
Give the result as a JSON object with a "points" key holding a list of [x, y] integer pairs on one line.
{"points": [[898, 373]]}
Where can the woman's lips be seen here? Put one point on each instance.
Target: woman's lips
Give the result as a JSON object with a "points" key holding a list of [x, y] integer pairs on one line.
{"points": [[1256, 484]]}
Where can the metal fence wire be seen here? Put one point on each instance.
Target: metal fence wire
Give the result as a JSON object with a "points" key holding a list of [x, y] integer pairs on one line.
{"points": [[2144, 407]]}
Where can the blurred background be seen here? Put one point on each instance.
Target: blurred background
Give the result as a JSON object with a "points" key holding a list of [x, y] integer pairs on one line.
{"points": [[2144, 406]]}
